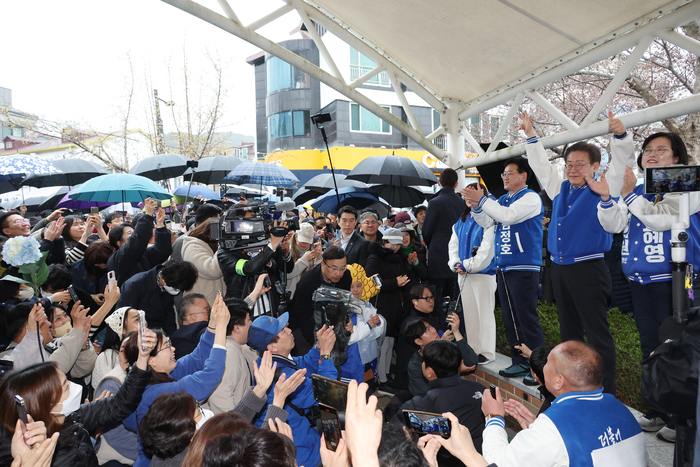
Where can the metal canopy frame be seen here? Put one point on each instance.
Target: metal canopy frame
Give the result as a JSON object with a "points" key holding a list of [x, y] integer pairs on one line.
{"points": [[638, 34]]}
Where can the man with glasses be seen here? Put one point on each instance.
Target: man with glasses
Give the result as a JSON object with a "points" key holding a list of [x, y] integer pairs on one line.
{"points": [[518, 218], [369, 225], [355, 246], [12, 224], [194, 313], [577, 244], [332, 272]]}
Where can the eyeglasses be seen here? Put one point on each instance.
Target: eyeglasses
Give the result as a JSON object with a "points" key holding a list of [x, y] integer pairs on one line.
{"points": [[167, 345], [22, 221], [657, 151], [505, 175], [343, 269], [578, 165], [429, 298]]}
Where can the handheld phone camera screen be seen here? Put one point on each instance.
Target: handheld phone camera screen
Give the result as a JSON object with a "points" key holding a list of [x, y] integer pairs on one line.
{"points": [[426, 423], [94, 210], [675, 179], [330, 392], [73, 294], [331, 426], [377, 280]]}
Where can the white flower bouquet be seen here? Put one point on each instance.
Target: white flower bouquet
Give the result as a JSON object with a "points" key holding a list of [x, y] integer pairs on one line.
{"points": [[24, 253]]}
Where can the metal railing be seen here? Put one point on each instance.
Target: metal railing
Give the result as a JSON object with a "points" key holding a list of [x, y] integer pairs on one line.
{"points": [[380, 79]]}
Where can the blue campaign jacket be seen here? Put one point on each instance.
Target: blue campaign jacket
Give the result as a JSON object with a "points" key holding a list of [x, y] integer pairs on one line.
{"points": [[519, 246], [591, 420], [470, 235], [575, 234], [197, 374], [646, 253], [306, 438]]}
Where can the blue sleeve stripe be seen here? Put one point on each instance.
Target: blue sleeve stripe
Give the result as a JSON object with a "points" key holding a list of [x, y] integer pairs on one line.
{"points": [[482, 201], [532, 140], [631, 197], [607, 204], [620, 137], [496, 421]]}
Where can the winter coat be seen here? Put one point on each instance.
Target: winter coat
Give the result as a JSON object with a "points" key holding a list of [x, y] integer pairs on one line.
{"points": [[389, 266], [74, 448], [135, 256], [210, 279]]}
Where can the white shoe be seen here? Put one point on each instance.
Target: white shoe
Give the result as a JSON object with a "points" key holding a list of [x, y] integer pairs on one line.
{"points": [[667, 434], [650, 424]]}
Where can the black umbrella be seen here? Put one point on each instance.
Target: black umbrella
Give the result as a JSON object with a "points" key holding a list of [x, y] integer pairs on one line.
{"points": [[212, 170], [392, 170], [303, 195], [161, 166], [324, 182], [398, 196], [11, 182], [75, 172]]}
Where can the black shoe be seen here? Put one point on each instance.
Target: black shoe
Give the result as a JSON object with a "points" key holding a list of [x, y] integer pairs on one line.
{"points": [[530, 381], [483, 359], [515, 370], [387, 389]]}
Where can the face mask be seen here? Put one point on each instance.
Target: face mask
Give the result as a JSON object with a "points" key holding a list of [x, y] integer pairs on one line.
{"points": [[71, 404], [170, 290], [206, 415], [63, 330], [25, 293], [44, 293]]}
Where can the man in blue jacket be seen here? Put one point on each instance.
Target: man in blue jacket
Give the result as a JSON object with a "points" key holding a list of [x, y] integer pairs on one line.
{"points": [[518, 237], [268, 333]]}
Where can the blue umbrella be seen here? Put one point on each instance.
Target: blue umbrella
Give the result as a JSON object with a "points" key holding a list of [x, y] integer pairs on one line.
{"points": [[26, 165], [261, 173], [196, 190], [357, 197], [119, 188]]}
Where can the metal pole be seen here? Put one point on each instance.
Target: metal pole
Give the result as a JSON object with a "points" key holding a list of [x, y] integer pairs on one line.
{"points": [[455, 144], [335, 184]]}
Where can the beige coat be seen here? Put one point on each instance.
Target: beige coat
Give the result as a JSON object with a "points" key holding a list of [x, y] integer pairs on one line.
{"points": [[238, 377], [210, 280]]}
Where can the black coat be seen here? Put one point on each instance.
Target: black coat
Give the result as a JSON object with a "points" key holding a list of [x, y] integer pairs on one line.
{"points": [[459, 396], [143, 293], [301, 310], [135, 256], [357, 250], [389, 266], [186, 338], [74, 448], [266, 261], [443, 212]]}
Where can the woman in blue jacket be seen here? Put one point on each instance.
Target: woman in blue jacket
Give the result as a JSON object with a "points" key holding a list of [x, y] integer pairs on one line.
{"points": [[197, 374]]}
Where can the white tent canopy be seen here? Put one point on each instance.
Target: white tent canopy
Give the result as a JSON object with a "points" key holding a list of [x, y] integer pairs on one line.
{"points": [[465, 57]]}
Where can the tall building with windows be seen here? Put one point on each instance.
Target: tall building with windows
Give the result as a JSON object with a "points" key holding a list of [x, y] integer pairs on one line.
{"points": [[287, 97]]}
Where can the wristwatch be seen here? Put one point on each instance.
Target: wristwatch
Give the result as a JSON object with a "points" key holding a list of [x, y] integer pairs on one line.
{"points": [[326, 356]]}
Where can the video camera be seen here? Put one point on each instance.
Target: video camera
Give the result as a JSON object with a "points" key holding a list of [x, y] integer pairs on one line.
{"points": [[331, 308], [250, 225]]}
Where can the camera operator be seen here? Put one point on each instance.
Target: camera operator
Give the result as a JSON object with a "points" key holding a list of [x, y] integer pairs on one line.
{"points": [[242, 266]]}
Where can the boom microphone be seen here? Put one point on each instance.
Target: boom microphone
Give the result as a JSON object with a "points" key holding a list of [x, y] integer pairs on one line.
{"points": [[282, 206]]}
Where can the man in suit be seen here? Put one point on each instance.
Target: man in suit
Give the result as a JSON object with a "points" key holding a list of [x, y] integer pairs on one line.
{"points": [[332, 272], [355, 246], [443, 212]]}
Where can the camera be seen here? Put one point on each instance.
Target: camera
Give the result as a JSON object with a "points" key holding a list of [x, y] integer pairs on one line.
{"points": [[245, 226], [450, 306], [331, 308]]}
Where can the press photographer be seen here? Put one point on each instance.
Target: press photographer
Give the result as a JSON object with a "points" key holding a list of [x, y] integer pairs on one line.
{"points": [[250, 244]]}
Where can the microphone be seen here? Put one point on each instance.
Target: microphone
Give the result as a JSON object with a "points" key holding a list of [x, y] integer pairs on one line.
{"points": [[282, 206]]}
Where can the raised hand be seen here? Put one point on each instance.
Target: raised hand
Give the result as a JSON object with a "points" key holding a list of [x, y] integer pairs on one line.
{"points": [[326, 339], [600, 187], [278, 426], [519, 412], [460, 444], [616, 126], [264, 374], [472, 194], [363, 425], [79, 315], [286, 386], [629, 183], [526, 124], [149, 206]]}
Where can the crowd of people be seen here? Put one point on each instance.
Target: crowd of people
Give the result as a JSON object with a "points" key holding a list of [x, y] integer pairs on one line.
{"points": [[127, 342]]}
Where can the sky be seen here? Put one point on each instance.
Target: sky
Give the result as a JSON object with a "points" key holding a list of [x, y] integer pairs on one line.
{"points": [[68, 61]]}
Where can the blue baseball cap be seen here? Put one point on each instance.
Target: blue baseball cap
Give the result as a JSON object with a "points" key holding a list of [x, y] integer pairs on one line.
{"points": [[264, 329]]}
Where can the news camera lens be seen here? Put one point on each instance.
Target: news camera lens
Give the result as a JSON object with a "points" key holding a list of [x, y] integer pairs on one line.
{"points": [[683, 236]]}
